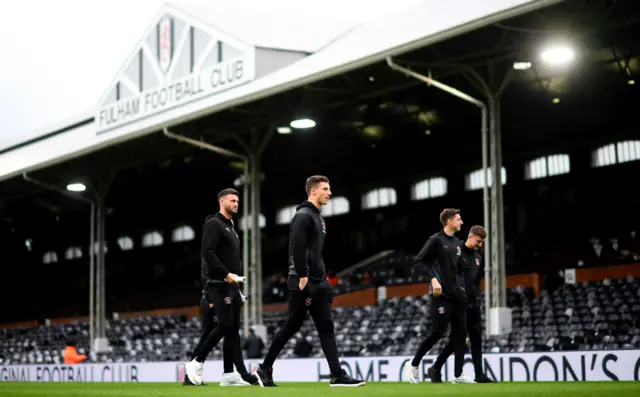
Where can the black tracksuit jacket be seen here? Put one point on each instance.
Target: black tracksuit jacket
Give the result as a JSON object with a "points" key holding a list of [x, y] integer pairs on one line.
{"points": [[220, 251], [306, 241], [439, 258], [473, 270]]}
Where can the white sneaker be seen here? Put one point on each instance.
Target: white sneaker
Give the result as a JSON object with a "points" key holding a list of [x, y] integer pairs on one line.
{"points": [[233, 379], [411, 373], [462, 379], [194, 371]]}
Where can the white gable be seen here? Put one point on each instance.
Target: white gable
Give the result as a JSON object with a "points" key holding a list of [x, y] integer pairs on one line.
{"points": [[179, 59]]}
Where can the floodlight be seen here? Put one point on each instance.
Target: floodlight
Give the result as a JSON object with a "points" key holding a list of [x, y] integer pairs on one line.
{"points": [[522, 65], [284, 130], [76, 187], [303, 123], [558, 55]]}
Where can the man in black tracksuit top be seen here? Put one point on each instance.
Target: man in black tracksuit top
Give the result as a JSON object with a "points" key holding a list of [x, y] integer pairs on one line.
{"points": [[221, 273], [438, 261], [309, 287], [472, 267]]}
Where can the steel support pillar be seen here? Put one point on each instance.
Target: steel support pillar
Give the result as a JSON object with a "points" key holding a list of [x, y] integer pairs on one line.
{"points": [[101, 343], [258, 145], [95, 250], [255, 233], [245, 244], [498, 283], [255, 238], [92, 241], [92, 278], [497, 246], [501, 315]]}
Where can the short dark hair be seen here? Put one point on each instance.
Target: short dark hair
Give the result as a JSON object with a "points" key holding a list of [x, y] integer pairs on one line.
{"points": [[478, 231], [227, 192], [447, 214], [314, 181]]}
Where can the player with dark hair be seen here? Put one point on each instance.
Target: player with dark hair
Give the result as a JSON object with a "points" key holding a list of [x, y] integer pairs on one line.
{"points": [[439, 262], [309, 287], [221, 274], [472, 268]]}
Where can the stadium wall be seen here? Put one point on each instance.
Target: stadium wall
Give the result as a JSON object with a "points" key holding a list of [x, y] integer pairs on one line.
{"points": [[608, 365]]}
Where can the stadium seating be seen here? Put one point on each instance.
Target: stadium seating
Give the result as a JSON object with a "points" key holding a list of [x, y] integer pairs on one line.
{"points": [[397, 268], [590, 315]]}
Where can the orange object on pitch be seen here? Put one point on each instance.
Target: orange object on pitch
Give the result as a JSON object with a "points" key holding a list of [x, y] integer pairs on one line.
{"points": [[71, 356]]}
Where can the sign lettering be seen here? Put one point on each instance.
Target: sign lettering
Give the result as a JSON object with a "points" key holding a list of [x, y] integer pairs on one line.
{"points": [[587, 366], [210, 81], [70, 373]]}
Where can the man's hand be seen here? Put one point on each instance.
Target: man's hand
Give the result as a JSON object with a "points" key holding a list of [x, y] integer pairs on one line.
{"points": [[231, 278], [437, 288], [303, 282]]}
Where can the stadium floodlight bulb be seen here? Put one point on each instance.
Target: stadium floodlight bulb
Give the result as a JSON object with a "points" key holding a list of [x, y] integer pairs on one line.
{"points": [[558, 55], [522, 65], [76, 187], [302, 124]]}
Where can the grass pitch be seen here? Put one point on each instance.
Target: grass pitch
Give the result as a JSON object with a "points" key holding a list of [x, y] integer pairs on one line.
{"points": [[547, 389]]}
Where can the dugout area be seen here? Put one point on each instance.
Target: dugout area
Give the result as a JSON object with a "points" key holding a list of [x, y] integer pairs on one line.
{"points": [[374, 127]]}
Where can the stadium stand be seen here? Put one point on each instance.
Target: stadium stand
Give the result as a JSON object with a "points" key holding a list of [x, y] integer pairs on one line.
{"points": [[387, 145], [600, 315], [170, 266]]}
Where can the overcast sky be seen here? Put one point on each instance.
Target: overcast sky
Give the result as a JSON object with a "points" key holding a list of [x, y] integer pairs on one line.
{"points": [[49, 46]]}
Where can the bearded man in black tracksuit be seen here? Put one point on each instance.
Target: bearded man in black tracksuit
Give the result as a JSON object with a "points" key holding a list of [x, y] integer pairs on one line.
{"points": [[472, 268], [309, 288], [439, 262], [222, 274]]}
